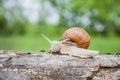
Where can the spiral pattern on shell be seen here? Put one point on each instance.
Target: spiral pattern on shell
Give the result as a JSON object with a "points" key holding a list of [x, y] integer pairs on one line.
{"points": [[78, 36]]}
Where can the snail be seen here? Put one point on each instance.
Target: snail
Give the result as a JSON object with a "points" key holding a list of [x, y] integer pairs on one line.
{"points": [[78, 36], [69, 45]]}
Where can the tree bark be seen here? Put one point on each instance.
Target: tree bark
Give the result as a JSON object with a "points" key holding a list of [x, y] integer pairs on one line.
{"points": [[25, 65]]}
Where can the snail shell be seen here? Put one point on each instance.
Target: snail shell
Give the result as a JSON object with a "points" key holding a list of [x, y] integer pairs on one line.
{"points": [[78, 36]]}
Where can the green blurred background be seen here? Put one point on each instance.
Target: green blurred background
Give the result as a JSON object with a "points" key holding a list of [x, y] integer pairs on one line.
{"points": [[23, 21]]}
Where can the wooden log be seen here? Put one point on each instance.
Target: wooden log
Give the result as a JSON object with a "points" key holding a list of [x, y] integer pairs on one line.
{"points": [[26, 65]]}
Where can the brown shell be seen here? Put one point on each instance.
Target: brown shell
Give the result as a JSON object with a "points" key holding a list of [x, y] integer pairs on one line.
{"points": [[77, 35]]}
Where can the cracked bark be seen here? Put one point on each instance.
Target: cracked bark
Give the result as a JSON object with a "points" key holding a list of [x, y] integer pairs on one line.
{"points": [[21, 65]]}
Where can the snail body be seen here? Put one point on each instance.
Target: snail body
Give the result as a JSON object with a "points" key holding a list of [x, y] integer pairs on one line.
{"points": [[78, 36], [74, 42]]}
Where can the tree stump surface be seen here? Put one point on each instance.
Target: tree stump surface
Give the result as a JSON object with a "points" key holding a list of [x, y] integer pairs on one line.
{"points": [[27, 65]]}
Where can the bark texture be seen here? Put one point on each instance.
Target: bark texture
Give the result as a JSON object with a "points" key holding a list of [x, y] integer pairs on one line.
{"points": [[23, 65]]}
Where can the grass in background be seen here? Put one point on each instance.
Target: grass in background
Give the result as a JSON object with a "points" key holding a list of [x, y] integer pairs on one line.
{"points": [[37, 43], [106, 45]]}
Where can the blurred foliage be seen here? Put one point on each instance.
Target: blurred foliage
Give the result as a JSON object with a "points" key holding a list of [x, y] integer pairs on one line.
{"points": [[97, 17], [104, 14], [101, 18]]}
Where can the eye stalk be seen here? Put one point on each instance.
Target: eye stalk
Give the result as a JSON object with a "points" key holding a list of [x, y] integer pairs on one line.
{"points": [[46, 38], [54, 45]]}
